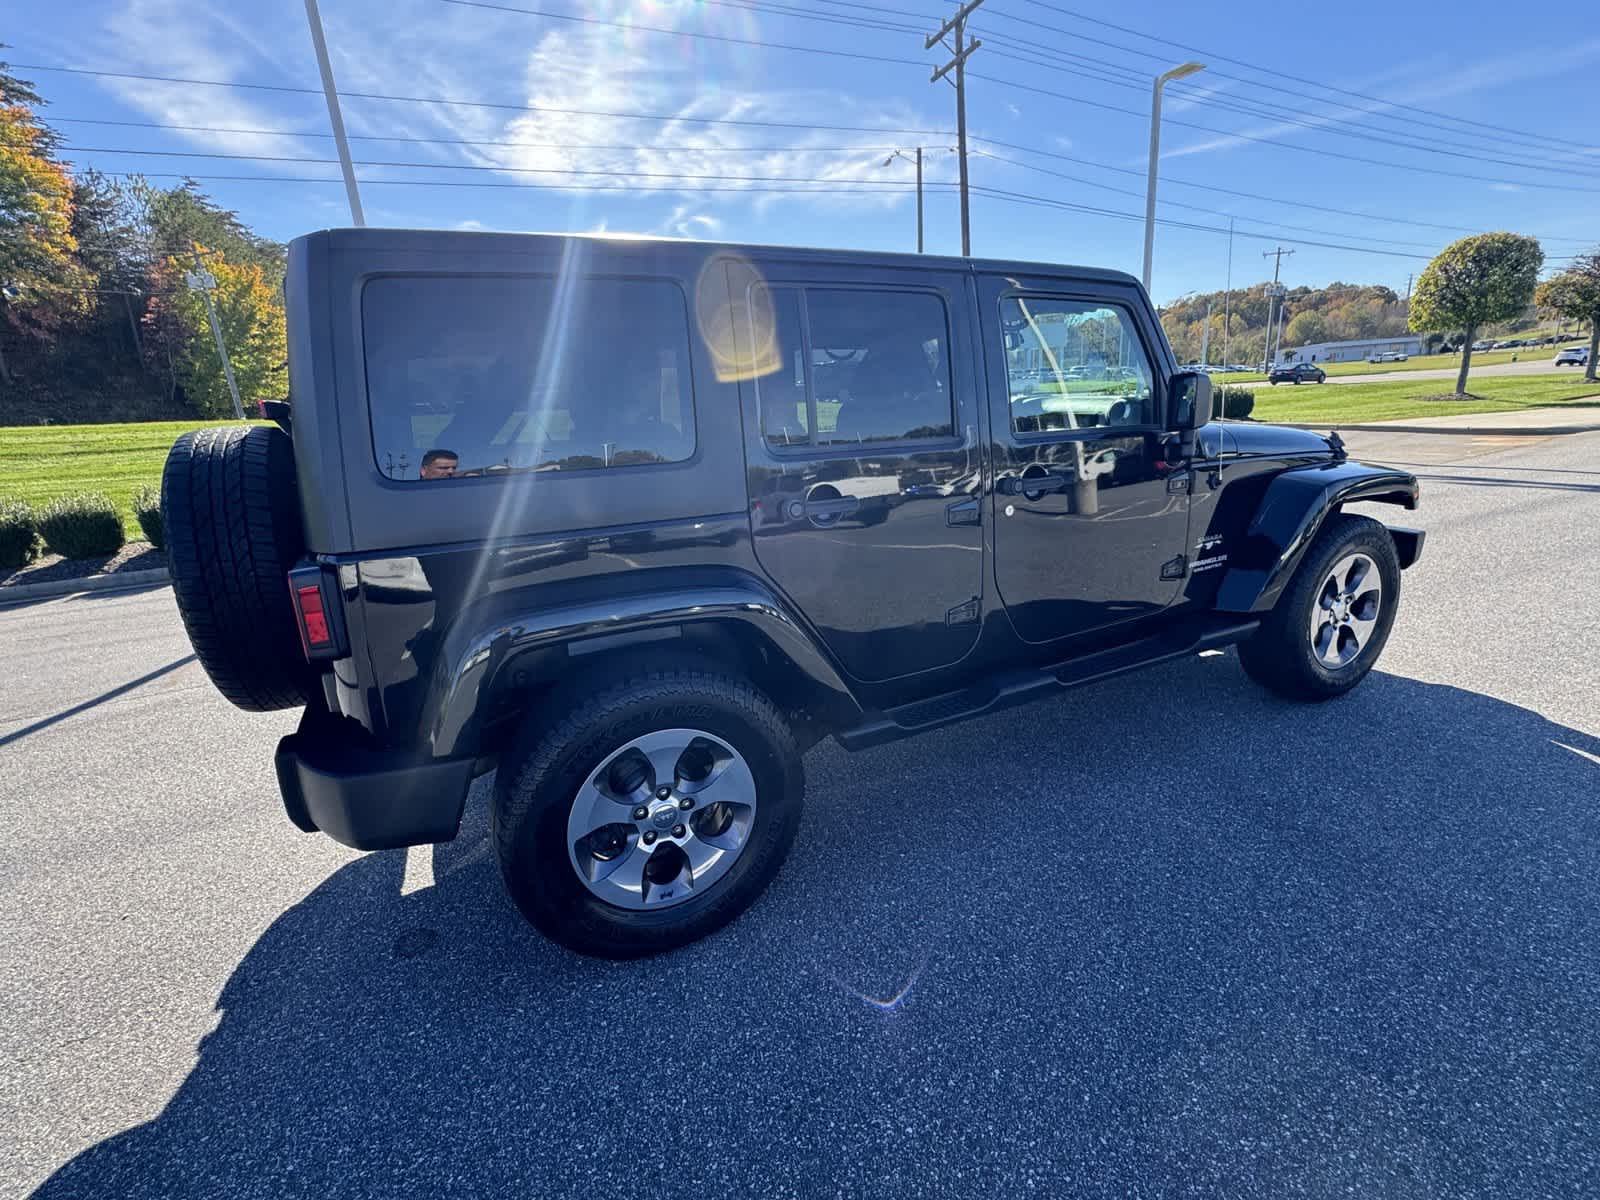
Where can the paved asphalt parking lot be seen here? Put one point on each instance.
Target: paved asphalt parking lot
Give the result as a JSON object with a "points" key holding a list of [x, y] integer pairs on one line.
{"points": [[1165, 936]]}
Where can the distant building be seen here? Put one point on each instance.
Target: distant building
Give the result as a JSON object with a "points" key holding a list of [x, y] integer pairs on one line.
{"points": [[1356, 351]]}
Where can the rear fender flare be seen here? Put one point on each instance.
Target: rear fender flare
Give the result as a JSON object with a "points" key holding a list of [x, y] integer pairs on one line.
{"points": [[476, 665], [1291, 515]]}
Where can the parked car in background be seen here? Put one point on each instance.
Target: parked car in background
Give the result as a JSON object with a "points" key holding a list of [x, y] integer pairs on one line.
{"points": [[1299, 373], [1387, 356], [1573, 356], [1483, 344]]}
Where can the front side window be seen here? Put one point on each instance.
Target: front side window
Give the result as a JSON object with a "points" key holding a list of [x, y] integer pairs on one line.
{"points": [[873, 366], [478, 376], [1074, 364]]}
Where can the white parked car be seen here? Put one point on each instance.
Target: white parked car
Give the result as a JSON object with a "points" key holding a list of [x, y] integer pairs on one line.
{"points": [[1387, 356], [1573, 356]]}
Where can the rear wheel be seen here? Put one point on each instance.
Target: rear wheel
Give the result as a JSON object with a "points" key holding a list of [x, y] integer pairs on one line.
{"points": [[1332, 621], [652, 812], [231, 516]]}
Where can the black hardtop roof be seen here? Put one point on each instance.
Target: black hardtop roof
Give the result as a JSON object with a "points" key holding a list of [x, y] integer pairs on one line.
{"points": [[486, 242]]}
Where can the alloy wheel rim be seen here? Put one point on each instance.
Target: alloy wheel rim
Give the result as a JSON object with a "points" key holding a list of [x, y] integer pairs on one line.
{"points": [[661, 819], [1344, 619]]}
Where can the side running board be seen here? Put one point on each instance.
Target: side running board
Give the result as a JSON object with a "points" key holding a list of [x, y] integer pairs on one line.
{"points": [[1016, 687]]}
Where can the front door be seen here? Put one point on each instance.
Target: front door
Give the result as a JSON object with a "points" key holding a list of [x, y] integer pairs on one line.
{"points": [[1090, 523], [863, 460]]}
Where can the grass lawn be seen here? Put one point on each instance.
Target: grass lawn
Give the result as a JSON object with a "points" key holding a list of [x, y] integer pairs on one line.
{"points": [[41, 462], [1404, 399], [1427, 362]]}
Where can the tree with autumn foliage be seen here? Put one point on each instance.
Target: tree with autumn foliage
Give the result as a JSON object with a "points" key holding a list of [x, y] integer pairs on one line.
{"points": [[42, 280], [250, 312]]}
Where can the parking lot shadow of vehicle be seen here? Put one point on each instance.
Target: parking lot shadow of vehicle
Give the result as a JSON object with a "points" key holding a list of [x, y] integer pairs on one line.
{"points": [[1167, 936]]}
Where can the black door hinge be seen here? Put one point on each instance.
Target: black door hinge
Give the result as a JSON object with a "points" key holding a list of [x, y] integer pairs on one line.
{"points": [[1174, 567]]}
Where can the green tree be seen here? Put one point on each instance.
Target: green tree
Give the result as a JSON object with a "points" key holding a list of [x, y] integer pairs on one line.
{"points": [[1576, 293], [1478, 280], [250, 312]]}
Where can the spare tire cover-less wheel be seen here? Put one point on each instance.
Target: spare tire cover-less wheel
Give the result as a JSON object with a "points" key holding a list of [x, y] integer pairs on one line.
{"points": [[231, 513]]}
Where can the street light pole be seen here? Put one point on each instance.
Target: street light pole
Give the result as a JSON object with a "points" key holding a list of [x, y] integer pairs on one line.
{"points": [[203, 281], [918, 160], [335, 117], [1180, 72]]}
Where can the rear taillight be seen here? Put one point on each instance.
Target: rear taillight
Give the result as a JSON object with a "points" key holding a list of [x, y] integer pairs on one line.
{"points": [[313, 620], [316, 611]]}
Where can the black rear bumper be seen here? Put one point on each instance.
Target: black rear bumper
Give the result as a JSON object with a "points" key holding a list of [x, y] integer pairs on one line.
{"points": [[367, 798]]}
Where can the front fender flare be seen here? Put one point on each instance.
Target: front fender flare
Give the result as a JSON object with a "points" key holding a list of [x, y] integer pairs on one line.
{"points": [[1291, 514], [473, 663]]}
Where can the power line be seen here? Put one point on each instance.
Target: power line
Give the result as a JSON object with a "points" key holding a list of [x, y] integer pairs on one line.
{"points": [[1025, 198], [864, 148], [1213, 55], [444, 141], [1165, 178], [825, 187], [1138, 195], [498, 106], [1247, 137], [685, 33], [286, 158], [1264, 110]]}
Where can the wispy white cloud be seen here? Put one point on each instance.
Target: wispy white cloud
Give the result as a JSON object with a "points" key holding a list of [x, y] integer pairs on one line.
{"points": [[1460, 79], [568, 75]]}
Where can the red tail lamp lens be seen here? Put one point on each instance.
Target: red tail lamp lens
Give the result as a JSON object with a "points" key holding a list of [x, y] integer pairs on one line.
{"points": [[312, 617]]}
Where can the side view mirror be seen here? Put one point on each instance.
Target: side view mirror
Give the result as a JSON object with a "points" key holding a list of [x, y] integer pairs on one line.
{"points": [[1191, 400]]}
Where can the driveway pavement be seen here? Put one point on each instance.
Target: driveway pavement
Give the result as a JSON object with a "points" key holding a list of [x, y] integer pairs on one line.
{"points": [[1166, 936]]}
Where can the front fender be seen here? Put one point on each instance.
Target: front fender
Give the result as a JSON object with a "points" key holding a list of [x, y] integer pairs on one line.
{"points": [[474, 661], [1291, 514]]}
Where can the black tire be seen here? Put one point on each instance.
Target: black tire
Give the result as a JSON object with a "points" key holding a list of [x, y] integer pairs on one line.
{"points": [[571, 736], [1280, 656], [231, 515]]}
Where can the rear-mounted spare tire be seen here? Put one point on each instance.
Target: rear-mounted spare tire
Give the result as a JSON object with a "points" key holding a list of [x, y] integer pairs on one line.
{"points": [[232, 520]]}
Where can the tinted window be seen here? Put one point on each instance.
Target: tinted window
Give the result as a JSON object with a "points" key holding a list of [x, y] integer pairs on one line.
{"points": [[785, 415], [472, 376], [1074, 364], [880, 365]]}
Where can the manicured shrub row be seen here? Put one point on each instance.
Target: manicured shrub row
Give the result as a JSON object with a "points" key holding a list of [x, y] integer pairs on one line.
{"points": [[19, 535], [82, 526], [1240, 403]]}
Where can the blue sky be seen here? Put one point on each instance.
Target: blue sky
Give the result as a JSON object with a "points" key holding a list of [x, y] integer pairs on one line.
{"points": [[1458, 89]]}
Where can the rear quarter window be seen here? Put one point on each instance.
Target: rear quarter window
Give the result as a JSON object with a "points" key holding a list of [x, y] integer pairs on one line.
{"points": [[471, 376]]}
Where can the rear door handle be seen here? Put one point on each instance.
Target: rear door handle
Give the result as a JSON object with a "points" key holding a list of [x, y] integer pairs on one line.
{"points": [[1016, 485]]}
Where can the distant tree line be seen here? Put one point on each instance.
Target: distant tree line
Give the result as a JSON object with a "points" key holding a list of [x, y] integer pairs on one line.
{"points": [[97, 322]]}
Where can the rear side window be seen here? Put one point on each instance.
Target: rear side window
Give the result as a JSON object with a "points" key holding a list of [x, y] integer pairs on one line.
{"points": [[877, 364], [477, 376]]}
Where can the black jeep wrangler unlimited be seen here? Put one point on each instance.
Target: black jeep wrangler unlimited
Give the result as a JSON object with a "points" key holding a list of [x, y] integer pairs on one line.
{"points": [[637, 522]]}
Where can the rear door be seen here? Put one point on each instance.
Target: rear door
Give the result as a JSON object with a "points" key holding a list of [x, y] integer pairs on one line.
{"points": [[1090, 522], [861, 444]]}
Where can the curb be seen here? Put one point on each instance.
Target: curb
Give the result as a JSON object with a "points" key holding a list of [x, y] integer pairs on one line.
{"points": [[1470, 430], [17, 593]]}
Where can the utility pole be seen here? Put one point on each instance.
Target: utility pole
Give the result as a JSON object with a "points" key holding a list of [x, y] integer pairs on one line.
{"points": [[957, 25], [203, 281], [1273, 294], [1278, 345], [1409, 278], [918, 161], [335, 118]]}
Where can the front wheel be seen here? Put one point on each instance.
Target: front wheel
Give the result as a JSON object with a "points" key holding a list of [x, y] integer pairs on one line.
{"points": [[1331, 622], [654, 810]]}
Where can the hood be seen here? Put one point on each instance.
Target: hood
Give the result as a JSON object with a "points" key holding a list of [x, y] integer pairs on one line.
{"points": [[1248, 437]]}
